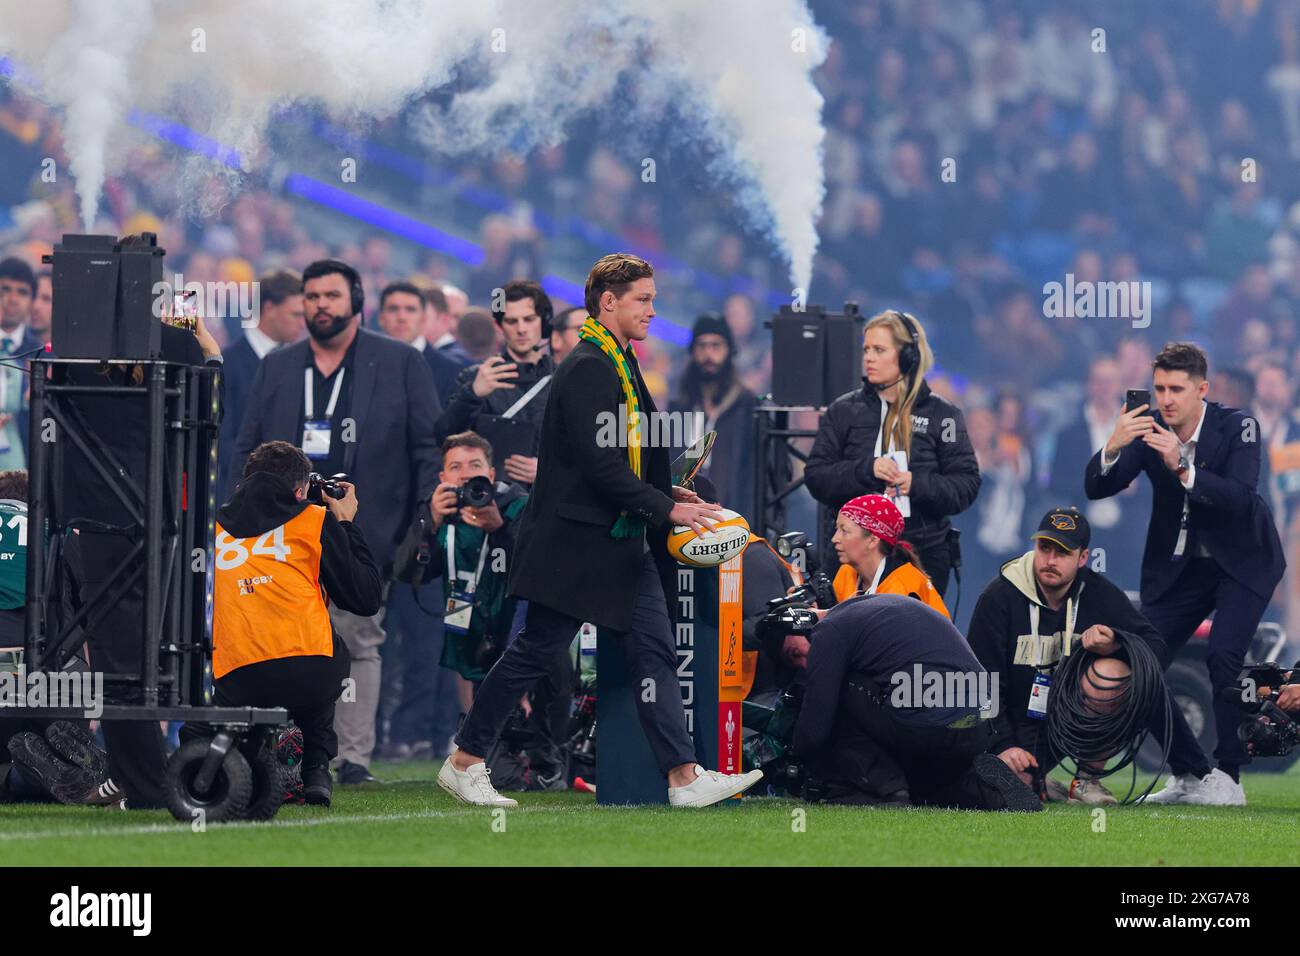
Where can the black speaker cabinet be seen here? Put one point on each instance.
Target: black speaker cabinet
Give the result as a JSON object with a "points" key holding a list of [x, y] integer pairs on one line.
{"points": [[816, 355], [104, 298]]}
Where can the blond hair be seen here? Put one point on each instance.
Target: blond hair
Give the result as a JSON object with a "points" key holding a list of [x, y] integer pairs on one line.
{"points": [[614, 273], [897, 426]]}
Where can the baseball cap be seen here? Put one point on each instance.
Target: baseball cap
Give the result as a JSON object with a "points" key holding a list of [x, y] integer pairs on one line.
{"points": [[1066, 527]]}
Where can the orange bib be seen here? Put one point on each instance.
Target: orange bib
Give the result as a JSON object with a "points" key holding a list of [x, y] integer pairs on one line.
{"points": [[267, 601], [904, 579]]}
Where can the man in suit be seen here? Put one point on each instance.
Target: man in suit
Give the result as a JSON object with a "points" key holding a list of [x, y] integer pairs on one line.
{"points": [[591, 548], [280, 323], [17, 293], [360, 403], [1211, 544], [403, 312]]}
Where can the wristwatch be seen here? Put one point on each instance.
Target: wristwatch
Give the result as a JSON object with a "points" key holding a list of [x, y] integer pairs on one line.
{"points": [[1183, 465]]}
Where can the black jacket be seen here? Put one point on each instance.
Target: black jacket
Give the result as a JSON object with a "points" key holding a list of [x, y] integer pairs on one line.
{"points": [[1001, 622], [395, 460], [875, 637], [945, 474], [565, 558], [465, 406], [262, 502], [240, 364], [1225, 513]]}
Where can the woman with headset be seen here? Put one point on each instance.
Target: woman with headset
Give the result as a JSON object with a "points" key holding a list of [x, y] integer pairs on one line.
{"points": [[895, 437]]}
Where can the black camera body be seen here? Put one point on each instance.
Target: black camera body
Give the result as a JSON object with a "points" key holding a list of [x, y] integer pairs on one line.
{"points": [[320, 487], [1270, 730], [476, 492], [793, 546]]}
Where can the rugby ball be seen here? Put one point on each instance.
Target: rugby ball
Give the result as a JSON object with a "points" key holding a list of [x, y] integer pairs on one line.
{"points": [[727, 539]]}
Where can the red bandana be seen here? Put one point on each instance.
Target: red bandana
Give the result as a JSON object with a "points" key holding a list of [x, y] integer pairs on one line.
{"points": [[878, 515]]}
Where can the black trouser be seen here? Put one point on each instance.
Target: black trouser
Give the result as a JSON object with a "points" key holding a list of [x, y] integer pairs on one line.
{"points": [[532, 656], [1201, 588], [877, 754], [136, 754], [426, 706], [308, 687]]}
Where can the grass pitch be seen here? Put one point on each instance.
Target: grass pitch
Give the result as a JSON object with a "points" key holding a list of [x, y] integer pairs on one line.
{"points": [[409, 821]]}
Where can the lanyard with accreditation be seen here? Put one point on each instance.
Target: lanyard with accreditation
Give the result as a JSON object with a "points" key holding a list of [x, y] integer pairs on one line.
{"points": [[460, 605], [316, 431]]}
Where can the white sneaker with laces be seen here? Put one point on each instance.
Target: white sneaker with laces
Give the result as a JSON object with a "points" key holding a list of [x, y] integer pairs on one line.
{"points": [[1173, 791], [472, 785], [1215, 789], [710, 787]]}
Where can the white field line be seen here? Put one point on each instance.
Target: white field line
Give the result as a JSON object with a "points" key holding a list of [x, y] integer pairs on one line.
{"points": [[180, 827]]}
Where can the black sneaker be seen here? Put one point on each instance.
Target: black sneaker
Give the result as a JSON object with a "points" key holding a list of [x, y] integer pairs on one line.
{"points": [[63, 781], [317, 786], [74, 743], [1000, 789], [350, 774]]}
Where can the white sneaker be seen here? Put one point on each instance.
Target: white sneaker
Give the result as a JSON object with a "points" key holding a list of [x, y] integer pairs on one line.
{"points": [[1215, 789], [1173, 791], [472, 785], [711, 787]]}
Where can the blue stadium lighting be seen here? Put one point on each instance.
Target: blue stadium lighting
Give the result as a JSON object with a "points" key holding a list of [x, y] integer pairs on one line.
{"points": [[186, 139]]}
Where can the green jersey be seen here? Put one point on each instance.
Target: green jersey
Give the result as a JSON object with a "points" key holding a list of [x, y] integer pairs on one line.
{"points": [[13, 554]]}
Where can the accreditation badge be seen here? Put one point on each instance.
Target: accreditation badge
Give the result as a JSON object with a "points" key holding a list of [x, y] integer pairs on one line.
{"points": [[1038, 696], [316, 439], [460, 609]]}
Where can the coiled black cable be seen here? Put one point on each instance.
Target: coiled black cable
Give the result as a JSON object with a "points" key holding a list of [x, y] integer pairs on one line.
{"points": [[1093, 738]]}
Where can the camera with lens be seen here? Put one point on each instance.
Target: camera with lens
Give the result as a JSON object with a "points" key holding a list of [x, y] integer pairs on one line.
{"points": [[1269, 730], [319, 487], [476, 492], [793, 546]]}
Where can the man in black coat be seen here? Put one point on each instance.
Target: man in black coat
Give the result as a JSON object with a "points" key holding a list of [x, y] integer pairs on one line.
{"points": [[280, 322], [592, 549], [711, 393], [1211, 544], [360, 403]]}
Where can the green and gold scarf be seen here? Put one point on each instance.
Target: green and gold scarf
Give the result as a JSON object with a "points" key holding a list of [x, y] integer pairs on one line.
{"points": [[627, 526]]}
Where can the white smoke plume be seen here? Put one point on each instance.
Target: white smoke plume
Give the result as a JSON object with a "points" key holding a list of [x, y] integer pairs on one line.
{"points": [[738, 71]]}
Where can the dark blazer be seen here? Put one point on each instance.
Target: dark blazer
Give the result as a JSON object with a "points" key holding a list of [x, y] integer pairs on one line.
{"points": [[241, 364], [394, 462], [445, 366], [565, 558], [1225, 511], [28, 347]]}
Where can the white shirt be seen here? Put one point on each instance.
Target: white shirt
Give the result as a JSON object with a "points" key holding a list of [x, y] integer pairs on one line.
{"points": [[1186, 450], [420, 343], [1105, 513], [261, 343], [444, 340], [14, 338]]}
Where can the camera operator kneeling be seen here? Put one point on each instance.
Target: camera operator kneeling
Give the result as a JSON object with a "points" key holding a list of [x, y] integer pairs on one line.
{"points": [[279, 560], [872, 731]]}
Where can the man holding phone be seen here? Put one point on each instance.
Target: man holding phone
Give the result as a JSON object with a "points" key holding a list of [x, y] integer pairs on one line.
{"points": [[1211, 546], [512, 386]]}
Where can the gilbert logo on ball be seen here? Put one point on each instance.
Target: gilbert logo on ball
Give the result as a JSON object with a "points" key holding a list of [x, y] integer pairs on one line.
{"points": [[727, 539]]}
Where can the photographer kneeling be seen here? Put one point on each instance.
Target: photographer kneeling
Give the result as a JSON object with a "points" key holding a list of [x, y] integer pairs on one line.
{"points": [[1043, 606], [872, 730], [280, 561]]}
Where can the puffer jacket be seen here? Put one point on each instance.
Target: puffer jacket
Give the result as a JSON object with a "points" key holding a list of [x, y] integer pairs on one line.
{"points": [[945, 474]]}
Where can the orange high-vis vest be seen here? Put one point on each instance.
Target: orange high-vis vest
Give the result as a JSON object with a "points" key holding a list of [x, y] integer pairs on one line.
{"points": [[267, 600], [904, 579]]}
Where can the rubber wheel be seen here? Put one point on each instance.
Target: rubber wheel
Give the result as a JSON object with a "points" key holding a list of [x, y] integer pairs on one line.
{"points": [[231, 789], [270, 781]]}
